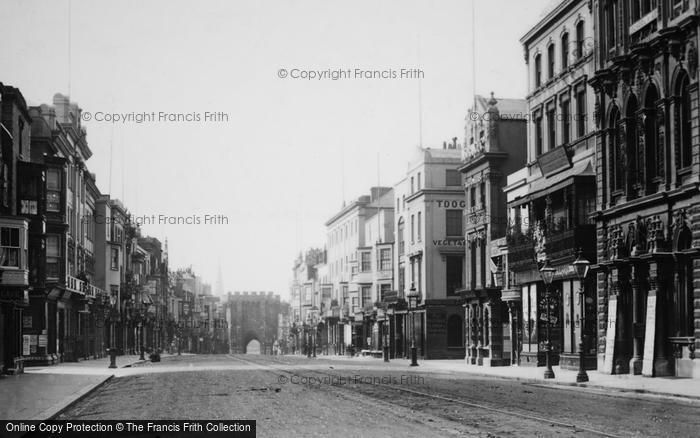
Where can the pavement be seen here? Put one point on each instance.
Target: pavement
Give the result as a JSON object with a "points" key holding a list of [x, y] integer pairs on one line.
{"points": [[43, 392], [297, 396], [661, 386]]}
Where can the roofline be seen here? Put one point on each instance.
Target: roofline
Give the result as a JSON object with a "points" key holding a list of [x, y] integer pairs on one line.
{"points": [[547, 19]]}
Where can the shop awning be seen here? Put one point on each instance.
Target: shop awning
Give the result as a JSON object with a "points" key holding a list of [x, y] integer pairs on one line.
{"points": [[544, 186]]}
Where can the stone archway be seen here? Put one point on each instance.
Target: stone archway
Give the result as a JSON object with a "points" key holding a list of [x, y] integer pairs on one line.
{"points": [[252, 344], [253, 347]]}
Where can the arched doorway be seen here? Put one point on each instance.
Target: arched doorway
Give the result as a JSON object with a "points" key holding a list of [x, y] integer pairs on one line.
{"points": [[253, 347]]}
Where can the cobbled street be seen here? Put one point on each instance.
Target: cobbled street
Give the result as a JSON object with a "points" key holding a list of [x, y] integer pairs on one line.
{"points": [[292, 395]]}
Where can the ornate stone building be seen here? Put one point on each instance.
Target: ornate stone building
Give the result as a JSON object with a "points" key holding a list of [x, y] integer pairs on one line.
{"points": [[495, 145], [252, 320], [648, 204]]}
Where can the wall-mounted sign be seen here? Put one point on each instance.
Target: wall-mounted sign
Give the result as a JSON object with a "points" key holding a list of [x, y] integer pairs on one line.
{"points": [[25, 345], [451, 204], [553, 161], [449, 242]]}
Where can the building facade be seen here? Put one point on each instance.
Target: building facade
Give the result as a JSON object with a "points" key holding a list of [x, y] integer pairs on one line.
{"points": [[551, 205], [495, 145], [252, 320], [429, 210], [15, 126], [67, 308], [647, 218], [376, 266], [345, 239]]}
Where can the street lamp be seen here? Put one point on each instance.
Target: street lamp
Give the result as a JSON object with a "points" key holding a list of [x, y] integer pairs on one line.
{"points": [[547, 273], [112, 350], [142, 324], [308, 335], [382, 315], [581, 265], [179, 338], [412, 304]]}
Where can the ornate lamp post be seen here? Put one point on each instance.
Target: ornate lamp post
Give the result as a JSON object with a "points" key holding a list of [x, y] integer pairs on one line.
{"points": [[179, 338], [112, 315], [307, 330], [141, 325], [581, 265], [412, 304], [382, 315], [547, 273], [314, 326]]}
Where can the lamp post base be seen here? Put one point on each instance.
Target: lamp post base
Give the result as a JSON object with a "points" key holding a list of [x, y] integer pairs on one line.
{"points": [[414, 357], [112, 358], [386, 353], [548, 373]]}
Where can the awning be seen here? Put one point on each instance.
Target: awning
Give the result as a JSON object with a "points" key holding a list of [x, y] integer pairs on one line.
{"points": [[546, 185]]}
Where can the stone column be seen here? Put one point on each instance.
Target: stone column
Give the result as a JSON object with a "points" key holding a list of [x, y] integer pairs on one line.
{"points": [[638, 338]]}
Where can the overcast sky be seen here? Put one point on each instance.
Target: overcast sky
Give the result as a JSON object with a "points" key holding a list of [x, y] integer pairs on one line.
{"points": [[275, 167]]}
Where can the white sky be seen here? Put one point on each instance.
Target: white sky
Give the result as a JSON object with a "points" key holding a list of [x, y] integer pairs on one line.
{"points": [[275, 168]]}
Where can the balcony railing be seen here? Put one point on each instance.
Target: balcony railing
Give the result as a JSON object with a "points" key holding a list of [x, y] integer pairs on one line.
{"points": [[559, 242], [78, 286]]}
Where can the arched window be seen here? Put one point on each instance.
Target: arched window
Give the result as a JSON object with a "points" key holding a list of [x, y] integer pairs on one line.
{"points": [[684, 122], [630, 165], [455, 329], [580, 36], [550, 61], [615, 143], [651, 156], [538, 70], [565, 51], [610, 13]]}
